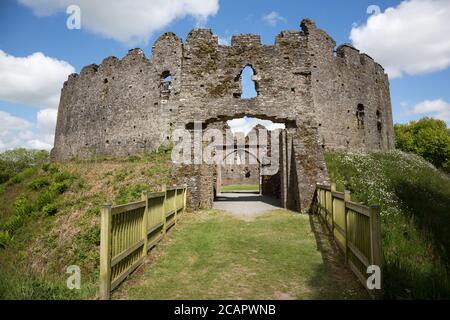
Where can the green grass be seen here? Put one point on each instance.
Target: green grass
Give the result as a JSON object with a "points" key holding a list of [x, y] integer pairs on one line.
{"points": [[240, 187], [49, 219], [415, 203], [212, 255]]}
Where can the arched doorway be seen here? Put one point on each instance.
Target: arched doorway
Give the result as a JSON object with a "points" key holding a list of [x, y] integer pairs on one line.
{"points": [[241, 174]]}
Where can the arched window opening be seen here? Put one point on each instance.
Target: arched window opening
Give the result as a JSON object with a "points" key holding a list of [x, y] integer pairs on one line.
{"points": [[166, 85], [248, 83], [360, 115]]}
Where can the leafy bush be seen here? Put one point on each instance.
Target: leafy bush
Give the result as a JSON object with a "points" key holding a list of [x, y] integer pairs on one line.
{"points": [[21, 176], [50, 209], [39, 183], [5, 238], [44, 198], [63, 176], [429, 138], [129, 194], [50, 167], [60, 187], [14, 161], [120, 176]]}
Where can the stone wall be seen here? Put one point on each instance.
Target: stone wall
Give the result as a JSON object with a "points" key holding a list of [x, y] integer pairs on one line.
{"points": [[327, 100], [240, 174]]}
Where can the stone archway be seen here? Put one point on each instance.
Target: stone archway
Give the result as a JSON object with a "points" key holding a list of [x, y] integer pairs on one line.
{"points": [[238, 173]]}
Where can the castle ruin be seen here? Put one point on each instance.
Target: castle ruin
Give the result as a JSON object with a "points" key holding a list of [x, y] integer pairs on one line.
{"points": [[328, 99]]}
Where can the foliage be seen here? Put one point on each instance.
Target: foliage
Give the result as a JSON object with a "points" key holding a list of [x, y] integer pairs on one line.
{"points": [[50, 186], [14, 161], [39, 183], [429, 138], [415, 203], [49, 219], [132, 193]]}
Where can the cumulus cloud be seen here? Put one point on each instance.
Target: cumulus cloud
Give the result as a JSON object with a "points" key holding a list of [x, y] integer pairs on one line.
{"points": [[46, 120], [438, 108], [130, 22], [225, 41], [35, 80], [246, 124], [17, 132], [412, 38], [273, 18]]}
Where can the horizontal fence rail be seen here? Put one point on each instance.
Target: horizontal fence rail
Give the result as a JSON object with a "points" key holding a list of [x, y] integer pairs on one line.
{"points": [[356, 228], [128, 231]]}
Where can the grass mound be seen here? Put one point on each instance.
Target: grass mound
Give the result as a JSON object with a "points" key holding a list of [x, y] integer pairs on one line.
{"points": [[415, 203], [49, 220]]}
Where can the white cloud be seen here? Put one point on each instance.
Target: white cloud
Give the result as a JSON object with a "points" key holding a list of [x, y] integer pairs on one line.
{"points": [[273, 18], [130, 22], [225, 41], [439, 109], [412, 38], [35, 80], [17, 132], [46, 120], [246, 124]]}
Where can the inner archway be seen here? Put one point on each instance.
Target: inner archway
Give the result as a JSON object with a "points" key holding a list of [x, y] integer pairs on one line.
{"points": [[243, 178]]}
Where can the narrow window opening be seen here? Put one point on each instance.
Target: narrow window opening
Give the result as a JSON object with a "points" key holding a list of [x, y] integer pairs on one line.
{"points": [[166, 85], [360, 115], [248, 84], [379, 124]]}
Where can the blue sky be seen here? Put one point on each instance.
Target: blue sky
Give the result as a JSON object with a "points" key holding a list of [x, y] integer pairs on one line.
{"points": [[418, 87]]}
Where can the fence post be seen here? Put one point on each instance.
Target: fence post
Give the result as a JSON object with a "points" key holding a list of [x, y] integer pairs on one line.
{"points": [[332, 189], [184, 198], [175, 205], [375, 236], [105, 252], [347, 198], [144, 197], [163, 213]]}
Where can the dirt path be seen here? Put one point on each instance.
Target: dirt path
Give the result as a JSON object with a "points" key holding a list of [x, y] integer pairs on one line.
{"points": [[214, 255], [245, 205]]}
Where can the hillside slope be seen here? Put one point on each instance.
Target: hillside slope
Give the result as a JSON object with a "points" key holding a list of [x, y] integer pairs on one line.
{"points": [[49, 219], [415, 203]]}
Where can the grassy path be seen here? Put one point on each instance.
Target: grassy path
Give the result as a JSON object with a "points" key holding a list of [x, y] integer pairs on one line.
{"points": [[212, 255]]}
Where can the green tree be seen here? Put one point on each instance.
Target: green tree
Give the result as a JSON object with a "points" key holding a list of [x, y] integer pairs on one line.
{"points": [[427, 137], [14, 161]]}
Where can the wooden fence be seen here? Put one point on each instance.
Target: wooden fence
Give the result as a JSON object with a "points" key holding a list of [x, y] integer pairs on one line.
{"points": [[128, 231], [355, 227]]}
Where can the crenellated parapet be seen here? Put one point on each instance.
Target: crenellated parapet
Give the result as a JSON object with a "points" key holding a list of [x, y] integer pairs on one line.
{"points": [[131, 105]]}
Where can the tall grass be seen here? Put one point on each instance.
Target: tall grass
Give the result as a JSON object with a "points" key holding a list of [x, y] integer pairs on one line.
{"points": [[50, 220], [415, 202]]}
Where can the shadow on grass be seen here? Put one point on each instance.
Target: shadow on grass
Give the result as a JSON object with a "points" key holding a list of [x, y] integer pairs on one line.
{"points": [[335, 270]]}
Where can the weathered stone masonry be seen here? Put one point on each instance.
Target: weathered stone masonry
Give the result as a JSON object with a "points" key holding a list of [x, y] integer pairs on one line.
{"points": [[334, 100]]}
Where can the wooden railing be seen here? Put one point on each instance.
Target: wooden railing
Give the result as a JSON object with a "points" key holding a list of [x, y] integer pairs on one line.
{"points": [[355, 227], [128, 231]]}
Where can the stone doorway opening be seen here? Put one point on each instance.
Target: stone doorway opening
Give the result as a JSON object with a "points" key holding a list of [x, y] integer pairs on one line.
{"points": [[243, 181]]}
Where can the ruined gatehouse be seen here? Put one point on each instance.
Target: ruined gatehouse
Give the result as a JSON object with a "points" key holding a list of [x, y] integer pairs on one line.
{"points": [[328, 98]]}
